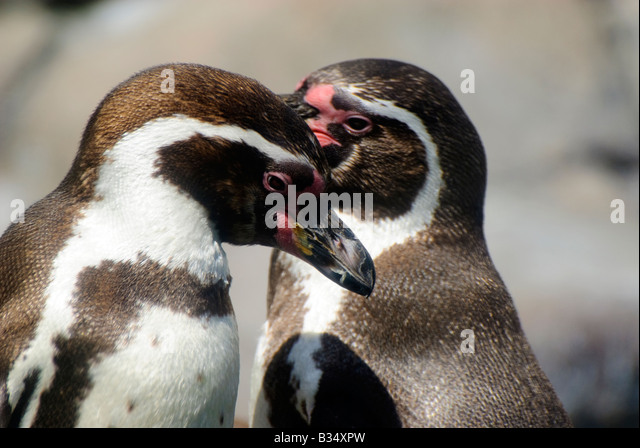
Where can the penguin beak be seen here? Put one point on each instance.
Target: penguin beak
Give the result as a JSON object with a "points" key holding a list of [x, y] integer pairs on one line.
{"points": [[297, 103], [339, 255], [335, 252]]}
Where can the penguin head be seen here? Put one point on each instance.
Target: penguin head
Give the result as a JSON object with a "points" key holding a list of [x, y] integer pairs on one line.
{"points": [[395, 130], [226, 143]]}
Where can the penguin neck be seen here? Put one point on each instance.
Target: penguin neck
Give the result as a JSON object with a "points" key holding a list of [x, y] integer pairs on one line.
{"points": [[134, 213], [379, 234], [425, 221]]}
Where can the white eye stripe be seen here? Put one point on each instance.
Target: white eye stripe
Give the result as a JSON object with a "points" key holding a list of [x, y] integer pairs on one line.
{"points": [[389, 109], [392, 231], [166, 131]]}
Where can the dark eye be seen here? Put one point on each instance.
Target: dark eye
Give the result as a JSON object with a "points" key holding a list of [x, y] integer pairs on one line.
{"points": [[276, 181], [358, 124]]}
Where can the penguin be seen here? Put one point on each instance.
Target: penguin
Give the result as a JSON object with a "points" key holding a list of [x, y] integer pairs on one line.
{"points": [[114, 288], [439, 342]]}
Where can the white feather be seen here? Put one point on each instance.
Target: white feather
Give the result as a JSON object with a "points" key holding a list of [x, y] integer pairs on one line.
{"points": [[196, 384]]}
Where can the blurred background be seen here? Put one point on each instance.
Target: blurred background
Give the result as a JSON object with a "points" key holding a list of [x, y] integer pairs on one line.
{"points": [[555, 102]]}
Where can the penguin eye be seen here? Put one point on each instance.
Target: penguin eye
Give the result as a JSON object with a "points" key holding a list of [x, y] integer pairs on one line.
{"points": [[276, 182], [358, 124]]}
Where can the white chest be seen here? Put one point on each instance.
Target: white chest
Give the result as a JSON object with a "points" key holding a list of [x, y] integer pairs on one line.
{"points": [[170, 370]]}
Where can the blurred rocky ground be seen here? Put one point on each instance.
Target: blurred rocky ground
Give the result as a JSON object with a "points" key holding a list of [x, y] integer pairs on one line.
{"points": [[556, 103]]}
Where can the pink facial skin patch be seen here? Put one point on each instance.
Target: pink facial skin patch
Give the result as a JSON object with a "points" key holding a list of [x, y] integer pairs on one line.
{"points": [[320, 96], [288, 234]]}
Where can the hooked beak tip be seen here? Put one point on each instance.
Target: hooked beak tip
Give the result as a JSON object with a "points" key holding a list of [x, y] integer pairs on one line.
{"points": [[341, 257]]}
